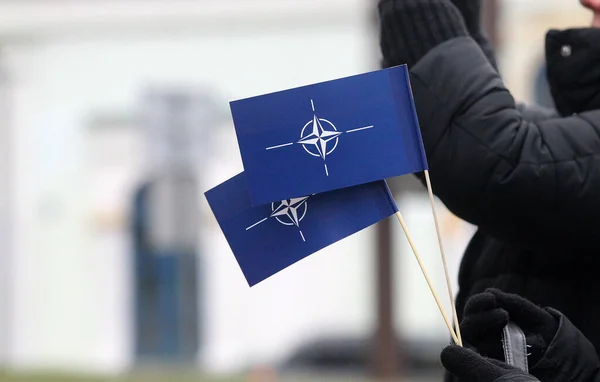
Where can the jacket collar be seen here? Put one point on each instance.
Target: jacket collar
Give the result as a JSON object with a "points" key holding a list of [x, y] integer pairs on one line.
{"points": [[573, 65]]}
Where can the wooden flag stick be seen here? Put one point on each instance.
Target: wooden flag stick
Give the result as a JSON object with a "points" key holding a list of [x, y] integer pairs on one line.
{"points": [[418, 257], [439, 236]]}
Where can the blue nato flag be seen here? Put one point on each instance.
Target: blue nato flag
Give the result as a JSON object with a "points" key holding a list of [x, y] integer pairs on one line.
{"points": [[268, 238], [329, 135]]}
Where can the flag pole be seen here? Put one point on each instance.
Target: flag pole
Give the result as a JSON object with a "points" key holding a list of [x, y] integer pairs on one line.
{"points": [[439, 236], [429, 283]]}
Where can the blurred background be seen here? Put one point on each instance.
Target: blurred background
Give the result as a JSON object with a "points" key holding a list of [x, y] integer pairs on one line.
{"points": [[114, 120]]}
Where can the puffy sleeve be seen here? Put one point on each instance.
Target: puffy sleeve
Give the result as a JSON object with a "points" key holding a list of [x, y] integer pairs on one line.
{"points": [[531, 182]]}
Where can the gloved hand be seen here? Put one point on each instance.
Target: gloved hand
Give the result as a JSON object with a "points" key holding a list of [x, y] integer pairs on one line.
{"points": [[467, 365], [411, 28], [486, 314], [471, 13]]}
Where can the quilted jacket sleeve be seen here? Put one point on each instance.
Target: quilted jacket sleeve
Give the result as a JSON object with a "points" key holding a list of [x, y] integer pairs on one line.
{"points": [[532, 183]]}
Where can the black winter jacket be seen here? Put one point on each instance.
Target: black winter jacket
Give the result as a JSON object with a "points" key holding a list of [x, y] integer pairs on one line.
{"points": [[529, 179]]}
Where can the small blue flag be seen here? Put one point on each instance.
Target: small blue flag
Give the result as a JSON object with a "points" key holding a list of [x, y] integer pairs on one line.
{"points": [[268, 238], [329, 135]]}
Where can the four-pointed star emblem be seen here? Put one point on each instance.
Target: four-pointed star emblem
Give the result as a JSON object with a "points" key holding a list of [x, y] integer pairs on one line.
{"points": [[289, 208], [322, 138], [319, 137]]}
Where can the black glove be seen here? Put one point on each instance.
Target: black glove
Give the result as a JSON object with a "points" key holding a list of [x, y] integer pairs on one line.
{"points": [[411, 28], [471, 13], [486, 314], [466, 365]]}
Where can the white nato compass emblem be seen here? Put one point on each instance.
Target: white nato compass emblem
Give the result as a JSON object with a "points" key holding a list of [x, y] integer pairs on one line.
{"points": [[288, 212], [319, 137]]}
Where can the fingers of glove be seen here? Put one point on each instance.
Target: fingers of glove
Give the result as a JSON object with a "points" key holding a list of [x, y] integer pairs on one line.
{"points": [[491, 349], [480, 303], [384, 4], [468, 365], [484, 326], [512, 373], [471, 12], [487, 350], [389, 31], [471, 8], [501, 364], [523, 312]]}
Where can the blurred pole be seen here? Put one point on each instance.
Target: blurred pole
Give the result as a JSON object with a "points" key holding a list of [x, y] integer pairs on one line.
{"points": [[385, 357], [490, 21]]}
